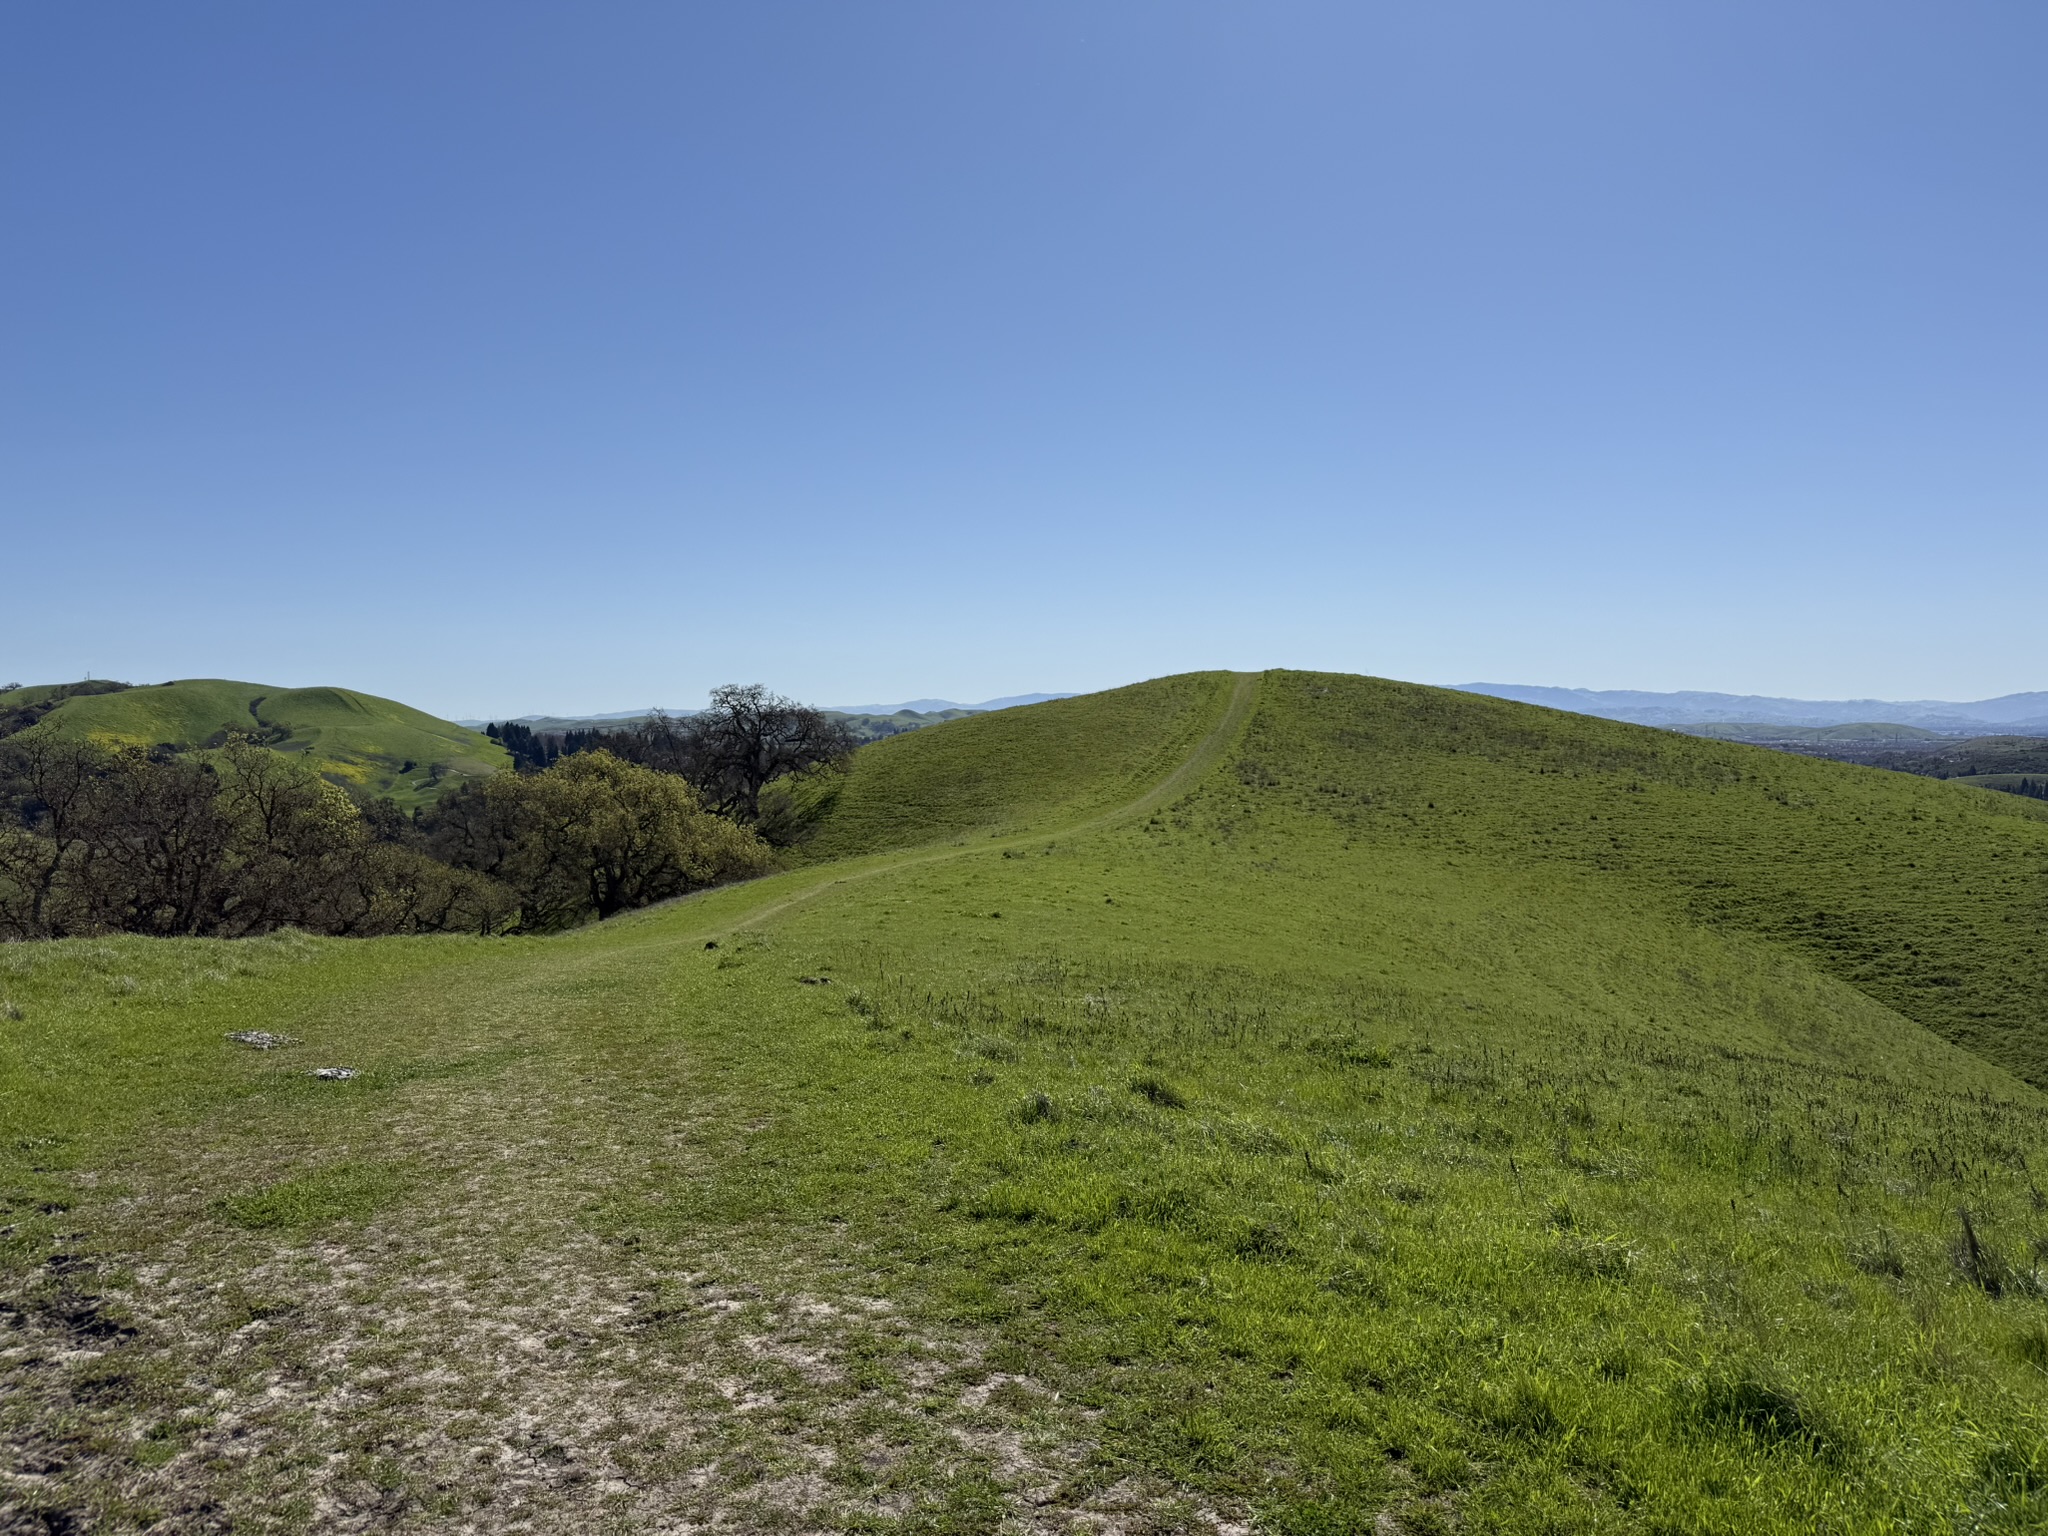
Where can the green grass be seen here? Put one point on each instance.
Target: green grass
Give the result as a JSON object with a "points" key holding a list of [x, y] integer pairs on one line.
{"points": [[1932, 903], [341, 1192], [1063, 758], [1302, 1109], [375, 746]]}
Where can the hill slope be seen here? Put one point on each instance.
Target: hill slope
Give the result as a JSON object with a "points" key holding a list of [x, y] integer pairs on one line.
{"points": [[1300, 1101], [375, 746], [1931, 899], [1065, 756]]}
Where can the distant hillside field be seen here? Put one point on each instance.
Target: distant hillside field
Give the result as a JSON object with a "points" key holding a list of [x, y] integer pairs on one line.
{"points": [[374, 746], [2012, 711], [1965, 759], [2012, 764], [1766, 734], [1293, 1103]]}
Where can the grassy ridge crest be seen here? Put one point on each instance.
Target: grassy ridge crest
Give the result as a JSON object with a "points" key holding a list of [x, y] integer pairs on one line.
{"points": [[1001, 771]]}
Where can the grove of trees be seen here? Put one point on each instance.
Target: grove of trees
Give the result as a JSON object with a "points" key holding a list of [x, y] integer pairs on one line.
{"points": [[233, 838], [241, 840], [730, 752], [590, 836]]}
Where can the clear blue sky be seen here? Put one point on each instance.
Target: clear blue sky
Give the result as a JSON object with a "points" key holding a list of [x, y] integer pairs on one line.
{"points": [[506, 357]]}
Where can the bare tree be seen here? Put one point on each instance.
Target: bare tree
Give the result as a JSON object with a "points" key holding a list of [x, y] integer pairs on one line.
{"points": [[53, 783], [750, 737], [661, 742]]}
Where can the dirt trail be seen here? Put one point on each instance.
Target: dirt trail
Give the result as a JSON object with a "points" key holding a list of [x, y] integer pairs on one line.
{"points": [[481, 1356], [1207, 753]]}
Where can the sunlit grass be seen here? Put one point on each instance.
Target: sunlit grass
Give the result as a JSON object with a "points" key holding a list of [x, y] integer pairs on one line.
{"points": [[1370, 1130]]}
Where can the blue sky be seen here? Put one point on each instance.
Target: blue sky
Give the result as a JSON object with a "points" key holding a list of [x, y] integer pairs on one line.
{"points": [[512, 357]]}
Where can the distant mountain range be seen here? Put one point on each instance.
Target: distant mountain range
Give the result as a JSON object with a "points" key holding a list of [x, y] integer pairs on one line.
{"points": [[931, 706], [915, 706], [2016, 713]]}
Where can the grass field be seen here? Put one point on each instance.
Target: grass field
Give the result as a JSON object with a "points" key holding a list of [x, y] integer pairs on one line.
{"points": [[374, 746], [1295, 1103]]}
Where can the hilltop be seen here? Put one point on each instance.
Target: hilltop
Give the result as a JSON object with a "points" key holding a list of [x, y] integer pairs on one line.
{"points": [[376, 747], [1299, 1100]]}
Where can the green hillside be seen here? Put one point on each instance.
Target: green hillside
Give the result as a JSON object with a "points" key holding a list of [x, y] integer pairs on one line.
{"points": [[1298, 1103], [1936, 907], [374, 746], [1068, 755]]}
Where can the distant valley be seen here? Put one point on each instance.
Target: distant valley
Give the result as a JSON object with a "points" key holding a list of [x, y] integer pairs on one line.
{"points": [[2013, 713], [945, 709], [869, 722]]}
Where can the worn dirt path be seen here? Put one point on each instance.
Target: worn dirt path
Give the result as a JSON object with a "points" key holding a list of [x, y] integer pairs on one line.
{"points": [[1237, 709], [479, 1355]]}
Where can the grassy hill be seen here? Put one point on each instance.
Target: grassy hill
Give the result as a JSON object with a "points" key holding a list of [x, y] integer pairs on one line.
{"points": [[374, 746], [1301, 1102], [1064, 757]]}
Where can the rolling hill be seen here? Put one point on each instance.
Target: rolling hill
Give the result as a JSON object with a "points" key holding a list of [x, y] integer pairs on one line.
{"points": [[374, 746], [1291, 1102]]}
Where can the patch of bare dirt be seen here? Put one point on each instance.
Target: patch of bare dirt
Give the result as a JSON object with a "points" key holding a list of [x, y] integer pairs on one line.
{"points": [[478, 1357]]}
